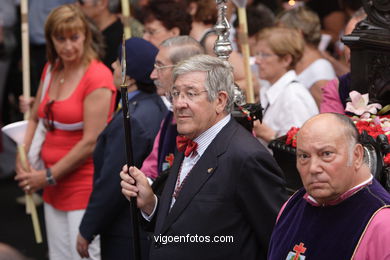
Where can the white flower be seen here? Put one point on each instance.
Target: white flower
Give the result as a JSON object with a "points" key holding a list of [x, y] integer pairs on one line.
{"points": [[359, 105]]}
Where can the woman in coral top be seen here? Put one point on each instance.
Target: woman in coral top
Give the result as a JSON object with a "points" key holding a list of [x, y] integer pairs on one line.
{"points": [[75, 108]]}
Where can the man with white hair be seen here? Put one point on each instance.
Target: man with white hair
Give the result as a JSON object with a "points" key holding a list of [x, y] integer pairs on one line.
{"points": [[342, 212], [224, 189]]}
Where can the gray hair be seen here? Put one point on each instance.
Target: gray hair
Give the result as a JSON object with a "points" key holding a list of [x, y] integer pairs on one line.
{"points": [[219, 76], [350, 132], [303, 19], [186, 47]]}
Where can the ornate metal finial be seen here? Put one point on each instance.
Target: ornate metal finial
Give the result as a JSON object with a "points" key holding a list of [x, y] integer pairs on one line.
{"points": [[222, 47], [378, 12]]}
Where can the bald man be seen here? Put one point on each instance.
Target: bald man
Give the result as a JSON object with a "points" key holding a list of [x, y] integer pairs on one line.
{"points": [[341, 212]]}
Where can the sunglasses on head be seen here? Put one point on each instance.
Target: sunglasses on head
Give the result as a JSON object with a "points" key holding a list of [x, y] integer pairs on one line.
{"points": [[48, 121]]}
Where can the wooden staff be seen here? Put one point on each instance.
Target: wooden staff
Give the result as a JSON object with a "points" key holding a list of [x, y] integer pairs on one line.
{"points": [[126, 18], [25, 52], [129, 154], [243, 36], [30, 205], [29, 201]]}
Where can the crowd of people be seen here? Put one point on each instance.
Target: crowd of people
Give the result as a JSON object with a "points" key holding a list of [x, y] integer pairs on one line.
{"points": [[198, 174]]}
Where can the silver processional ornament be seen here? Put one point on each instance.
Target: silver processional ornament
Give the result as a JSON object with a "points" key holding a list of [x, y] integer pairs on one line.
{"points": [[222, 49]]}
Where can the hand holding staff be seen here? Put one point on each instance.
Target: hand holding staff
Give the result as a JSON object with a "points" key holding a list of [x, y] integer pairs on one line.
{"points": [[30, 205]]}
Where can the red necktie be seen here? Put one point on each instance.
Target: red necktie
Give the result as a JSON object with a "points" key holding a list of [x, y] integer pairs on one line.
{"points": [[185, 145]]}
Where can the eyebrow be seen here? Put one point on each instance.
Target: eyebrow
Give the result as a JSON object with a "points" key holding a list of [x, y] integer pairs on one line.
{"points": [[186, 87], [320, 148], [159, 62]]}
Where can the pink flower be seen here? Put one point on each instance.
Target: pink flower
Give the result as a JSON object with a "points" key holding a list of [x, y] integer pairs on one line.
{"points": [[359, 105]]}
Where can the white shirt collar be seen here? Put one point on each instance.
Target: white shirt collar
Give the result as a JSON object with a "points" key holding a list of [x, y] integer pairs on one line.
{"points": [[167, 103], [205, 138]]}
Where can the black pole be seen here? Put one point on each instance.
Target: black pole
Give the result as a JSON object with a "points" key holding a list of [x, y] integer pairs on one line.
{"points": [[129, 156], [130, 162]]}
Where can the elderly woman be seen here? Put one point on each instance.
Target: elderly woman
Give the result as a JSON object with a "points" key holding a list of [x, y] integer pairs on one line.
{"points": [[287, 102], [313, 70], [75, 108]]}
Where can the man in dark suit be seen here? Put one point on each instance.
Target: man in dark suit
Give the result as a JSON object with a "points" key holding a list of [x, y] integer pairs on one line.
{"points": [[108, 212], [221, 199]]}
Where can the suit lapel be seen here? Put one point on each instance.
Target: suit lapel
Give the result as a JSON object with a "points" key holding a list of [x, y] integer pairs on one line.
{"points": [[199, 175]]}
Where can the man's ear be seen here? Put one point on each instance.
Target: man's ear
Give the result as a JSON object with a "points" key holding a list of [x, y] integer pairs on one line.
{"points": [[221, 102], [358, 156]]}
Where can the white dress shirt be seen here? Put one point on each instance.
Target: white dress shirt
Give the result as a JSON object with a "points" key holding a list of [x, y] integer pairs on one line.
{"points": [[287, 103], [203, 140]]}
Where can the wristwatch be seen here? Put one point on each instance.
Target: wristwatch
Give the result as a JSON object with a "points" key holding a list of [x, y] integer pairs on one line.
{"points": [[49, 177]]}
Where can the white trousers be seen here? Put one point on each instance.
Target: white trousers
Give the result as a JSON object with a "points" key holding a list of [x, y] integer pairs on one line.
{"points": [[62, 228]]}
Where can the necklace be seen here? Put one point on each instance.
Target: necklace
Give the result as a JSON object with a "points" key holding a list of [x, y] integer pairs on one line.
{"points": [[61, 77]]}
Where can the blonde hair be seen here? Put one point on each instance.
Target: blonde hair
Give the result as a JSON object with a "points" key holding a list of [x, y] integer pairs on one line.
{"points": [[284, 41], [302, 19], [68, 19]]}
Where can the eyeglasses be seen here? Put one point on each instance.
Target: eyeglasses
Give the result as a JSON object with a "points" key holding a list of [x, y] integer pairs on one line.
{"points": [[263, 55], [188, 94], [48, 121], [162, 67]]}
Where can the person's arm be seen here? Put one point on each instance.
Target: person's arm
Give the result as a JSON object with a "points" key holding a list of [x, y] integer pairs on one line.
{"points": [[375, 242], [263, 131], [33, 119], [30, 131], [95, 119]]}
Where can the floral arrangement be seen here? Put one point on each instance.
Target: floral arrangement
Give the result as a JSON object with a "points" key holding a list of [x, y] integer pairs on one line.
{"points": [[291, 136], [366, 117]]}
